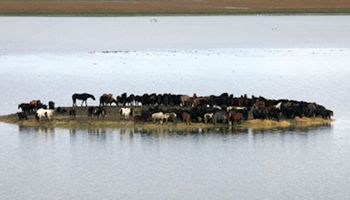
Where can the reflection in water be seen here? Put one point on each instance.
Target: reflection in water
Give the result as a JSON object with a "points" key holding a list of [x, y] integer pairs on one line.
{"points": [[299, 130], [39, 129], [96, 133], [162, 131], [131, 159], [189, 131]]}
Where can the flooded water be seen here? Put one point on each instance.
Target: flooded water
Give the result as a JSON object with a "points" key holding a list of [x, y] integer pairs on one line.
{"points": [[288, 61]]}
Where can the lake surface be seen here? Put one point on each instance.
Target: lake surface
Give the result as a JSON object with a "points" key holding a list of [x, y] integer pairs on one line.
{"points": [[296, 57]]}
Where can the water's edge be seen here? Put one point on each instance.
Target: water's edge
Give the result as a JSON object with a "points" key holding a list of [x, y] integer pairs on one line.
{"points": [[102, 123]]}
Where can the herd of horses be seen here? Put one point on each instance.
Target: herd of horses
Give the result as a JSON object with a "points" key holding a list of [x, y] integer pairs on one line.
{"points": [[160, 108]]}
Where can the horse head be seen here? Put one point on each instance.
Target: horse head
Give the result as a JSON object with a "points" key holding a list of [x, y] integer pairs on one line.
{"points": [[114, 101]]}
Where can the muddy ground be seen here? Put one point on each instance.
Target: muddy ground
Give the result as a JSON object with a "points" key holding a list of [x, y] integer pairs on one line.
{"points": [[164, 7]]}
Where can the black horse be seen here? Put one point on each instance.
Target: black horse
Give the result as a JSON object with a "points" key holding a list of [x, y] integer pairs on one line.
{"points": [[26, 107], [22, 116], [51, 105], [84, 97]]}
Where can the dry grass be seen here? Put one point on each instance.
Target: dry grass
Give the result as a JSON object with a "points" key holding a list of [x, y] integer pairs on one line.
{"points": [[166, 7], [297, 122]]}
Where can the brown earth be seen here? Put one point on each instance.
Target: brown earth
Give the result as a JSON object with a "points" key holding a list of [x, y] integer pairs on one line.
{"points": [[170, 6]]}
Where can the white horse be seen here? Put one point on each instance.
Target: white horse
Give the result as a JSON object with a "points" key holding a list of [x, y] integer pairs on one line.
{"points": [[278, 106], [160, 116], [208, 117], [44, 113], [228, 109], [126, 112]]}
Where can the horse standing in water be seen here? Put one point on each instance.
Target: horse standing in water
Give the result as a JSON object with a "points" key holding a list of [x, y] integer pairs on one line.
{"points": [[84, 97]]}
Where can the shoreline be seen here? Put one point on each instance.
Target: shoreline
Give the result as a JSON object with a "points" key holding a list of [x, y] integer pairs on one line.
{"points": [[103, 123]]}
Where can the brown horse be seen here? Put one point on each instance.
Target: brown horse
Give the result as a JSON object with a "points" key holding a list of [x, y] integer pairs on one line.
{"points": [[197, 101], [185, 100], [35, 103], [235, 116], [106, 99], [186, 118], [259, 104]]}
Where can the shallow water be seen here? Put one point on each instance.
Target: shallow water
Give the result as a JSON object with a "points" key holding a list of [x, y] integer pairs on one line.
{"points": [[67, 34], [41, 163]]}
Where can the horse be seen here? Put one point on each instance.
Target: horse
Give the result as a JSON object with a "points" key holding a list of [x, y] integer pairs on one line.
{"points": [[185, 100], [91, 111], [51, 105], [273, 113], [220, 116], [126, 112], [99, 112], [106, 99], [26, 107], [259, 104], [159, 116], [22, 116], [235, 116], [261, 113], [61, 110], [198, 101], [279, 105], [44, 113], [186, 118], [172, 116], [146, 115], [324, 113], [208, 117], [35, 103], [96, 112], [229, 108], [72, 114], [84, 97]]}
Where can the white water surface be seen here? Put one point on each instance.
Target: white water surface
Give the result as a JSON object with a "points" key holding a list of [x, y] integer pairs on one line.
{"points": [[85, 34]]}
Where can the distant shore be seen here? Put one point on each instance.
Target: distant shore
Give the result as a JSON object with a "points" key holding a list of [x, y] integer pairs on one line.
{"points": [[102, 123], [169, 7], [111, 13]]}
